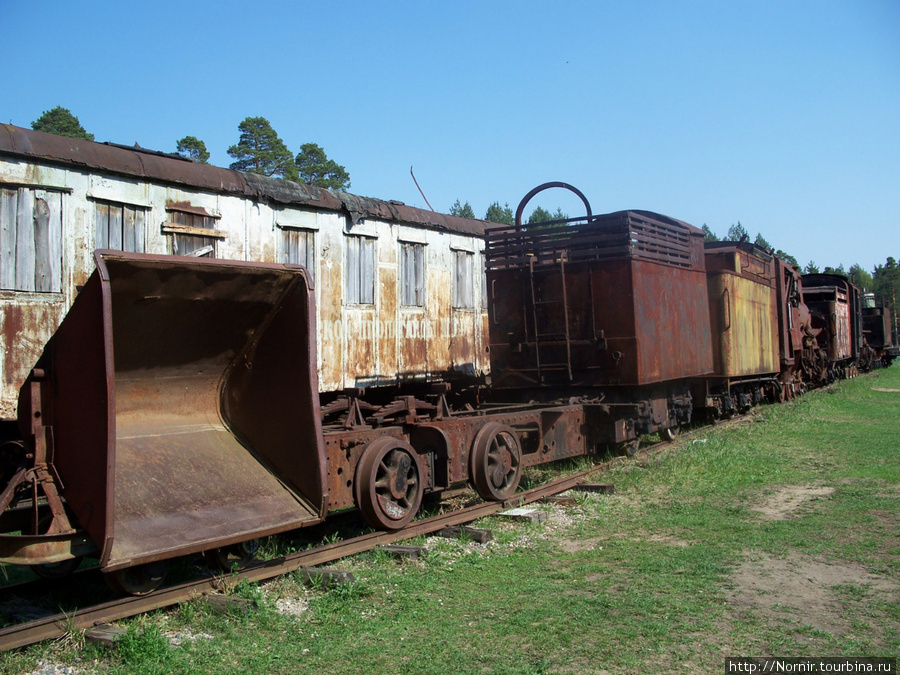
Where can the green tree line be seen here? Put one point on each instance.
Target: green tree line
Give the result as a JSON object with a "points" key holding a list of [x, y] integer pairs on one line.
{"points": [[258, 150]]}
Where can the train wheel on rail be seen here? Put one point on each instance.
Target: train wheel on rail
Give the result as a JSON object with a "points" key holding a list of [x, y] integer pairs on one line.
{"points": [[140, 579], [227, 556], [669, 434], [388, 485], [496, 462]]}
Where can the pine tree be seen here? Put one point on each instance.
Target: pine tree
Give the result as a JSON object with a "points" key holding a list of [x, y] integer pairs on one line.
{"points": [[261, 151], [61, 122]]}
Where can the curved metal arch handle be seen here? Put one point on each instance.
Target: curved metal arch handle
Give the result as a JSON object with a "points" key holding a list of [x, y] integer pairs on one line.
{"points": [[547, 186]]}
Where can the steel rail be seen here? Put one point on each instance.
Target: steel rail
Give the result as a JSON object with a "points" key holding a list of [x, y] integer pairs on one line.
{"points": [[58, 625]]}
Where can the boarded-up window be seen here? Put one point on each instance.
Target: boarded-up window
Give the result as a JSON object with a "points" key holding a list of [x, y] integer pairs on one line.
{"points": [[463, 279], [30, 240], [298, 247], [119, 226], [412, 275], [360, 271], [193, 231]]}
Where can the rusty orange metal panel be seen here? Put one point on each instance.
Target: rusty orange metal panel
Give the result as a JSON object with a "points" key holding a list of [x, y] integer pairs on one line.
{"points": [[388, 356], [619, 299], [183, 400], [412, 334], [443, 343], [833, 305], [25, 326]]}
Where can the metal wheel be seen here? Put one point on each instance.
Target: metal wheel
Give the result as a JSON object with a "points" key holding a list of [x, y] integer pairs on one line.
{"points": [[237, 554], [496, 462], [388, 486], [58, 570], [54, 570], [140, 579], [669, 434]]}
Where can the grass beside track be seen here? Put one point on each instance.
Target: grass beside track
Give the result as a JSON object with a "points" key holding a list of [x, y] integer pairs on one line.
{"points": [[774, 536]]}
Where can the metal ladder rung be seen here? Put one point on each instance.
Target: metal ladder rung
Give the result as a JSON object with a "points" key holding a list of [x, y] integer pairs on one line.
{"points": [[550, 336]]}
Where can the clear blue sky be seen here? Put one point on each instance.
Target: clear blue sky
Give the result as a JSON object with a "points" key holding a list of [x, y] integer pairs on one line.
{"points": [[783, 115]]}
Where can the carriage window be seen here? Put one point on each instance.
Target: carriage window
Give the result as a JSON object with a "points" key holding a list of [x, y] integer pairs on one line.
{"points": [[463, 279], [193, 231], [412, 275], [119, 226], [298, 247], [360, 277], [30, 240]]}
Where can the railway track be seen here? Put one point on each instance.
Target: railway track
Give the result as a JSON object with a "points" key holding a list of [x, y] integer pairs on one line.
{"points": [[57, 625]]}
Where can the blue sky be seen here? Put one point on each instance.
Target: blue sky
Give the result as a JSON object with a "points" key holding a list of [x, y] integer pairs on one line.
{"points": [[783, 115]]}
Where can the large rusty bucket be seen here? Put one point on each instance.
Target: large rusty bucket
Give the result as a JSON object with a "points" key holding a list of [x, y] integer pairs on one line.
{"points": [[182, 402]]}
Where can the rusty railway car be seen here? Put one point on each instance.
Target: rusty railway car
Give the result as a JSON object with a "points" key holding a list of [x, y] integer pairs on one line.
{"points": [[194, 404], [879, 348], [612, 306], [399, 290], [836, 321]]}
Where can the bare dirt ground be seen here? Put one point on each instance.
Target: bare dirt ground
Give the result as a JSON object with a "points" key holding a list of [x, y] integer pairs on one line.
{"points": [[802, 590], [787, 501]]}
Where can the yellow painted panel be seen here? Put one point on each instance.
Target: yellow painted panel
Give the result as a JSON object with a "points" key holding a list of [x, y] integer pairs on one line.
{"points": [[744, 326]]}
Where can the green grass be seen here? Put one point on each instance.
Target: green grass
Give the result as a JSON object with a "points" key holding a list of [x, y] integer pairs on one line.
{"points": [[651, 579]]}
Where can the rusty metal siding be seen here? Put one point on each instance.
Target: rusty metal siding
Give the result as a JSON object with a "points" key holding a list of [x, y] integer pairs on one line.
{"points": [[114, 197], [743, 309], [743, 316], [792, 313], [832, 301], [617, 300], [180, 397]]}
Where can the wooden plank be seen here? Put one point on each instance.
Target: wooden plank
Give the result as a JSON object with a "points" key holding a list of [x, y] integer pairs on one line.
{"points": [[101, 225], [55, 241], [464, 532], [128, 218], [560, 501], [174, 228], [8, 202], [599, 488], [225, 604], [42, 271], [25, 241], [140, 227], [115, 226], [104, 634], [408, 552], [528, 515]]}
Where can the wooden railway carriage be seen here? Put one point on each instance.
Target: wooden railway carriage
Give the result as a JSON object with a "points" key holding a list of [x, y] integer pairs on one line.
{"points": [[398, 289]]}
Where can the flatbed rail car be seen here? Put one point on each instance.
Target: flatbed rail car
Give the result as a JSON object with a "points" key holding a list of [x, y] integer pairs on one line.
{"points": [[398, 289], [176, 411]]}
